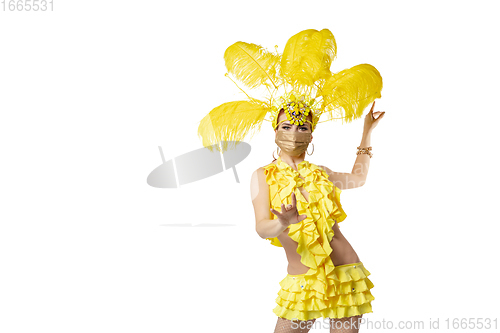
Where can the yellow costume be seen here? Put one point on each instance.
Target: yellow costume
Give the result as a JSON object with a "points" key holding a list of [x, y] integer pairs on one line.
{"points": [[325, 290]]}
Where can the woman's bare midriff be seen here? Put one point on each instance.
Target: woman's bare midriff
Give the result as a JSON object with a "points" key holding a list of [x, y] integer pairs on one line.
{"points": [[342, 253]]}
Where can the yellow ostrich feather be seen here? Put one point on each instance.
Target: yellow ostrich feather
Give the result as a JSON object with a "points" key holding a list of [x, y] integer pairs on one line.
{"points": [[307, 57], [351, 90], [251, 64], [231, 122]]}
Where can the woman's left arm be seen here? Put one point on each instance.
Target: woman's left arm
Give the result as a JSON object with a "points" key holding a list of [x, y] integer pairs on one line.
{"points": [[362, 164], [359, 172]]}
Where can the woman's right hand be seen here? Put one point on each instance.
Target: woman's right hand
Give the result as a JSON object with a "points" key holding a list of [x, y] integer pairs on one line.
{"points": [[289, 214]]}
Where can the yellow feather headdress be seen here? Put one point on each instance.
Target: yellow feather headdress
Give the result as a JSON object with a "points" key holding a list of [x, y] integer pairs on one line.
{"points": [[298, 82]]}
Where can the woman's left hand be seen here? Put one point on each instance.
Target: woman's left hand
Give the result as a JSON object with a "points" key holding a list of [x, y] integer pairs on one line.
{"points": [[372, 118]]}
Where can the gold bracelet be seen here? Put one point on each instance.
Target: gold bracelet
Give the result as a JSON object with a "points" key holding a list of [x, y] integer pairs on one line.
{"points": [[366, 150]]}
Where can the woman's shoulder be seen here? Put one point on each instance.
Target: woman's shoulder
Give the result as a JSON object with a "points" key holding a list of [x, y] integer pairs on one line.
{"points": [[270, 165], [264, 170], [324, 168]]}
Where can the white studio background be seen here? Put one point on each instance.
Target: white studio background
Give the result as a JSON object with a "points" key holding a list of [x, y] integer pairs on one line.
{"points": [[90, 90]]}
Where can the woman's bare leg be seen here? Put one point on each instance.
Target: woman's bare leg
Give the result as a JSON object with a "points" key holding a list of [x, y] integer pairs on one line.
{"points": [[296, 326], [345, 325]]}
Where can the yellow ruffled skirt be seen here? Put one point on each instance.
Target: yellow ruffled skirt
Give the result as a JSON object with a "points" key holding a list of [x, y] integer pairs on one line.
{"points": [[348, 296]]}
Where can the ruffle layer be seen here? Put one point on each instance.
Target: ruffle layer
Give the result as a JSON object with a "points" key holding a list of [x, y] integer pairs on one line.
{"points": [[324, 197], [349, 296]]}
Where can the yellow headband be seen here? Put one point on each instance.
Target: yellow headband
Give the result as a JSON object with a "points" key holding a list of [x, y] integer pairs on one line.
{"points": [[299, 81], [298, 125]]}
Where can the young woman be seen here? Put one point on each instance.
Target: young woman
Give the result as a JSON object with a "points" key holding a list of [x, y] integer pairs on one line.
{"points": [[306, 224]]}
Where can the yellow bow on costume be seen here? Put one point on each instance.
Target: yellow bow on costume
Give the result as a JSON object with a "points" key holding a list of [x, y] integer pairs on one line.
{"points": [[298, 82]]}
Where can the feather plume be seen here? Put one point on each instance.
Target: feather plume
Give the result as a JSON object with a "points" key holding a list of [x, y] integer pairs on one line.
{"points": [[351, 90], [251, 64], [307, 57], [231, 122]]}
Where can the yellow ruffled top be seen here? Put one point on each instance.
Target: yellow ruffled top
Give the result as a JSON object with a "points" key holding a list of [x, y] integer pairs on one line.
{"points": [[313, 234], [324, 197]]}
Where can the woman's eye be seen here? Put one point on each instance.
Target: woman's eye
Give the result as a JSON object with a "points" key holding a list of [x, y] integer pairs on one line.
{"points": [[302, 128]]}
